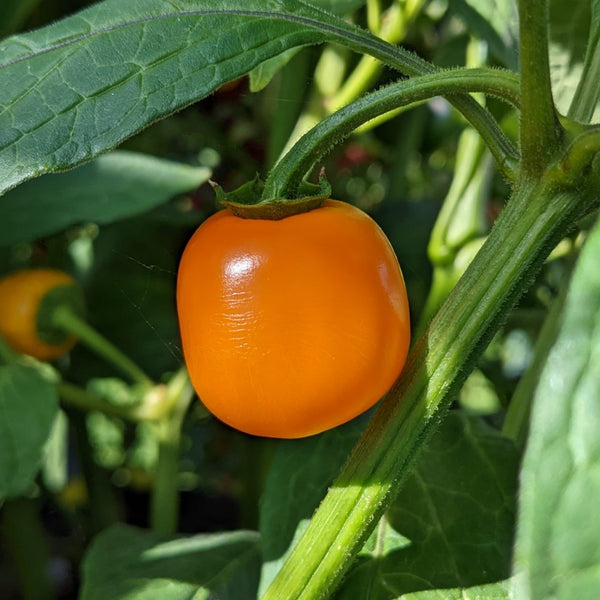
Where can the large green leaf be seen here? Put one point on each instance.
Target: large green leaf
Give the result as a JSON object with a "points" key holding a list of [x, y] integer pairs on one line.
{"points": [[79, 87], [558, 549], [125, 563], [452, 523], [28, 407], [112, 187], [82, 85]]}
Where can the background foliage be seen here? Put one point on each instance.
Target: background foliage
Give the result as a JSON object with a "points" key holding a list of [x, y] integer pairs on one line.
{"points": [[147, 76]]}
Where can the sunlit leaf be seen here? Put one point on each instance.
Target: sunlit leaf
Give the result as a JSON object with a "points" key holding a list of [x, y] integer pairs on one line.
{"points": [[125, 563], [557, 550]]}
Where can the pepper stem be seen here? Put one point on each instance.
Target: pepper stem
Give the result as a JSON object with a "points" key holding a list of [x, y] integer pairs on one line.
{"points": [[66, 319]]}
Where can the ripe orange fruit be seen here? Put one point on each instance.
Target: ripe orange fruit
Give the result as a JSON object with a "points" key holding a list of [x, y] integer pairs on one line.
{"points": [[294, 326], [21, 294]]}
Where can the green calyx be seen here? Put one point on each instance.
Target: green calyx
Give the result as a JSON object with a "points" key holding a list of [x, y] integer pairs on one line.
{"points": [[247, 201], [59, 298]]}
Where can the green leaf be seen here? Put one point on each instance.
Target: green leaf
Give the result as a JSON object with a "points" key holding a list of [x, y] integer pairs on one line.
{"points": [[298, 479], [569, 27], [28, 407], [493, 591], [112, 187], [454, 515], [81, 86], [125, 563], [557, 550], [495, 22]]}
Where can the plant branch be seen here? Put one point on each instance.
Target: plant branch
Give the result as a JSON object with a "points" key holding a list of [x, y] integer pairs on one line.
{"points": [[285, 178], [410, 64], [165, 496], [539, 124], [66, 319]]}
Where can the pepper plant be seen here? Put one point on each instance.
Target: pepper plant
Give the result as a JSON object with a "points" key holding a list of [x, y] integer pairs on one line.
{"points": [[466, 481]]}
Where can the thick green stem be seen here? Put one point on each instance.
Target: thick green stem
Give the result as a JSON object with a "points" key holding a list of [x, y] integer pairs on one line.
{"points": [[539, 124], [66, 319], [164, 506], [26, 540], [533, 220], [285, 178]]}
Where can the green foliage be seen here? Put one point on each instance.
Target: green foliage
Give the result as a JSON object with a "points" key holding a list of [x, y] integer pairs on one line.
{"points": [[557, 549], [450, 525], [452, 522], [416, 500], [129, 563], [112, 187], [494, 591], [65, 86], [28, 408]]}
